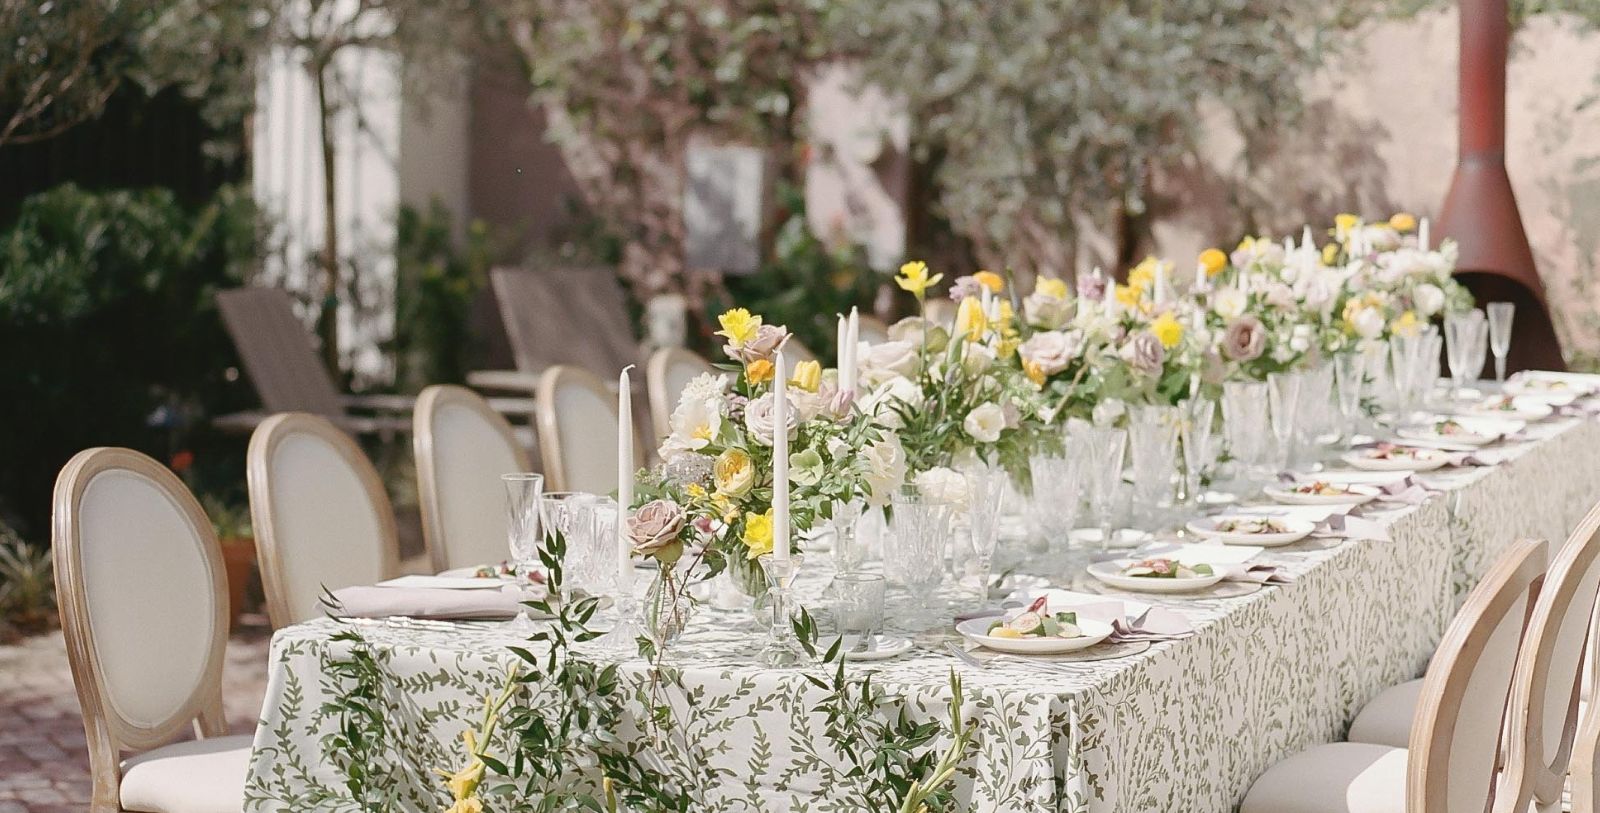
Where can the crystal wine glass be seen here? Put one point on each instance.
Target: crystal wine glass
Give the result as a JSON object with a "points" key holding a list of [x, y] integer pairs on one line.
{"points": [[1350, 378], [523, 496], [919, 536], [1500, 316], [1463, 333], [1283, 398], [1194, 435], [1105, 448], [986, 488]]}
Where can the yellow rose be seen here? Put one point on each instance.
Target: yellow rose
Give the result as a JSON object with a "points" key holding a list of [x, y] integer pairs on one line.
{"points": [[990, 280], [758, 371], [1403, 222], [1051, 287], [1129, 295], [1343, 223], [1213, 261], [1330, 252], [734, 473], [971, 321], [739, 326], [914, 278], [1168, 330], [807, 375], [757, 534]]}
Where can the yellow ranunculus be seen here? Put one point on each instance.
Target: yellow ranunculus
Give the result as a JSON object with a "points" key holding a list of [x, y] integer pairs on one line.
{"points": [[1343, 223], [807, 375], [1403, 222], [758, 371], [1213, 261], [734, 473], [914, 277], [990, 280], [738, 326], [1051, 287], [757, 534], [1405, 324], [1330, 252], [1168, 330], [971, 321]]}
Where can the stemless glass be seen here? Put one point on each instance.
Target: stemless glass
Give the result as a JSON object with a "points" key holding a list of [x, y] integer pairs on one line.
{"points": [[919, 536], [1464, 334], [1194, 435], [858, 609], [1500, 316], [1058, 483], [1314, 414], [986, 488], [1283, 397], [594, 549], [1404, 360], [1153, 447], [1350, 378], [1104, 451], [523, 493], [1244, 413]]}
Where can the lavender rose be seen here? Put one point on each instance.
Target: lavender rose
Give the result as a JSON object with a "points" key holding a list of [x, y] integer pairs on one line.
{"points": [[758, 419], [654, 530], [1244, 340], [1052, 350], [1144, 353], [964, 287], [1091, 287], [766, 342]]}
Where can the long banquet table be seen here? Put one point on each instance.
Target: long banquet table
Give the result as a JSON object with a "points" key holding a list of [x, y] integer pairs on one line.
{"points": [[1186, 725]]}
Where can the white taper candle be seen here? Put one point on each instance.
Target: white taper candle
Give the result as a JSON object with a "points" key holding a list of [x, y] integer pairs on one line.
{"points": [[853, 341], [1422, 234], [624, 480], [780, 459]]}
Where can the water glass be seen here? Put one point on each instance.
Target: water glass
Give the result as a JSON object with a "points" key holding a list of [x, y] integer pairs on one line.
{"points": [[524, 491], [1405, 363], [1464, 333], [848, 550], [1314, 416], [593, 547], [1244, 414], [1058, 484], [1153, 447], [1104, 448], [986, 488], [1500, 316], [1194, 434], [1283, 400], [858, 608], [1349, 378], [919, 537]]}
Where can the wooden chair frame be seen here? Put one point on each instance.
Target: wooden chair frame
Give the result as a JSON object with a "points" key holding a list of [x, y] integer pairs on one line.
{"points": [[1519, 571], [107, 732], [263, 445], [662, 403], [1527, 779], [429, 403]]}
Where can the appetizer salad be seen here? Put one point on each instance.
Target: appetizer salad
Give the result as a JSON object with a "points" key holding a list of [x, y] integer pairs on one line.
{"points": [[1159, 568], [1321, 488], [1252, 525], [1037, 622]]}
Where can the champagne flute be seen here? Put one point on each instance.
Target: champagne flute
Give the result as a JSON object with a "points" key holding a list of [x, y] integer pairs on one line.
{"points": [[524, 492], [1500, 316]]}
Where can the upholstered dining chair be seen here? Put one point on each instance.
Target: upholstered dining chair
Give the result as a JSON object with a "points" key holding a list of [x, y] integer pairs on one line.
{"points": [[462, 447], [577, 422], [321, 516], [144, 609], [1456, 740], [669, 370]]}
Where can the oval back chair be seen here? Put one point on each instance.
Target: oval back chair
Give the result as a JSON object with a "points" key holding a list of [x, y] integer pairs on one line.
{"points": [[577, 431], [462, 446], [144, 610], [321, 516]]}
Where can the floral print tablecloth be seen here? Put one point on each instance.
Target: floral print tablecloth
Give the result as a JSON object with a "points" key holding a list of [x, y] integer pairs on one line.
{"points": [[1185, 725]]}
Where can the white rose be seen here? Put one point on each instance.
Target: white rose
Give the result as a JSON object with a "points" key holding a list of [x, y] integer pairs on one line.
{"points": [[758, 419], [887, 360], [943, 485], [985, 422], [1052, 350], [1046, 311], [885, 463], [1368, 323], [1428, 299], [1108, 411], [1229, 303]]}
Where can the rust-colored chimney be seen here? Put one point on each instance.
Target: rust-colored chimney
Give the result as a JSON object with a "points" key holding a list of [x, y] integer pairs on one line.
{"points": [[1480, 212]]}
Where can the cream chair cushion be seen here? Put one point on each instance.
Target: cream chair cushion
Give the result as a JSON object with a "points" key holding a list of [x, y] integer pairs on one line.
{"points": [[327, 528], [196, 776], [1343, 777], [1387, 719], [148, 585], [469, 455]]}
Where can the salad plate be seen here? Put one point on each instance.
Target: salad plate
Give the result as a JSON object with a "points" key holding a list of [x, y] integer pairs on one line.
{"points": [[1035, 631], [1451, 430], [1252, 530], [1155, 575], [877, 648], [1510, 406], [1395, 457], [1549, 383], [1322, 492]]}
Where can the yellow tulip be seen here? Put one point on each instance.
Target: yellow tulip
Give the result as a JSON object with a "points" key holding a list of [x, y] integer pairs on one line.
{"points": [[1213, 261], [1403, 221], [971, 321], [807, 375], [1168, 330], [757, 534], [914, 277], [990, 280], [1051, 287], [738, 326], [758, 371]]}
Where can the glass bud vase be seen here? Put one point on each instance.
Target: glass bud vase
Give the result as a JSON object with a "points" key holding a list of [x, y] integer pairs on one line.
{"points": [[667, 607], [748, 578]]}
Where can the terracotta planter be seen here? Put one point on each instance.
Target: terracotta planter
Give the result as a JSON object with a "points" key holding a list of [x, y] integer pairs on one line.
{"points": [[238, 560]]}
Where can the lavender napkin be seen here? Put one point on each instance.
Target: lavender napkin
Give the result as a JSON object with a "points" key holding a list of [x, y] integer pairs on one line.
{"points": [[1155, 624], [429, 602], [1257, 574], [1350, 526], [1407, 491]]}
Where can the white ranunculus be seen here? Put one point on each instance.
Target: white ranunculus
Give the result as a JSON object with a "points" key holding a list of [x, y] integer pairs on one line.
{"points": [[704, 387], [1428, 299], [943, 485], [985, 422], [1229, 303], [887, 360], [885, 468], [1368, 323], [695, 423]]}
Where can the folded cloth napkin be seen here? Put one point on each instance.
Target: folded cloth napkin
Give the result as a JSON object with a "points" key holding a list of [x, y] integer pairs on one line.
{"points": [[1407, 491], [1350, 526], [1154, 624], [1256, 574], [429, 602]]}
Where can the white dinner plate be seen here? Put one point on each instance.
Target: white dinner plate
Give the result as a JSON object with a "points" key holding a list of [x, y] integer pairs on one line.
{"points": [[1420, 460], [1110, 572], [1545, 382], [1354, 495], [883, 648], [1521, 409], [1429, 434], [1120, 538], [976, 631], [1207, 527]]}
